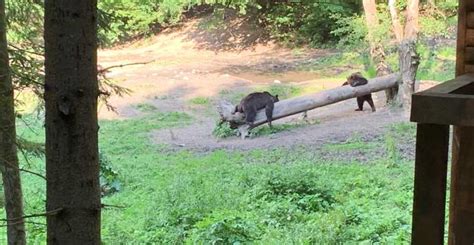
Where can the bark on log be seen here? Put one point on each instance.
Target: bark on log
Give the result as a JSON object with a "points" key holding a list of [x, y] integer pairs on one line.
{"points": [[297, 105]]}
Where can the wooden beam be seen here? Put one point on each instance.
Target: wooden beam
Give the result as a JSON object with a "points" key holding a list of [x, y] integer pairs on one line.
{"points": [[461, 224], [449, 103], [450, 86], [429, 196], [448, 109]]}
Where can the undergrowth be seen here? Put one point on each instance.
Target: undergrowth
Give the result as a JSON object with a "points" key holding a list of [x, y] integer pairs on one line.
{"points": [[274, 196]]}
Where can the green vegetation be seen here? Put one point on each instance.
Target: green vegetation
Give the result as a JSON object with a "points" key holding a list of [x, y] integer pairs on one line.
{"points": [[145, 107], [273, 196], [354, 143], [284, 91], [155, 195], [437, 63], [200, 101], [223, 130], [266, 130]]}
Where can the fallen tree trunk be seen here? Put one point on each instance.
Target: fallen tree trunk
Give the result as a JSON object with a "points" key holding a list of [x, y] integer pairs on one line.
{"points": [[297, 105]]}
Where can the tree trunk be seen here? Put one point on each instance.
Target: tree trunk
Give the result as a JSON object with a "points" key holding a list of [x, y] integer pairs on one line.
{"points": [[409, 59], [432, 3], [397, 27], [71, 92], [8, 151], [377, 52], [411, 26], [297, 105]]}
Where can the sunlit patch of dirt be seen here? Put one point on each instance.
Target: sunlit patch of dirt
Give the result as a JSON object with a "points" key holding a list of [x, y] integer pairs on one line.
{"points": [[178, 68]]}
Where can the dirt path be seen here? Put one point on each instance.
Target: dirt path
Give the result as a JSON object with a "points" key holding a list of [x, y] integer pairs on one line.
{"points": [[179, 71]]}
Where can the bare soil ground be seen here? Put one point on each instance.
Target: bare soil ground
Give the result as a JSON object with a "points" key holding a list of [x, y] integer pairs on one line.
{"points": [[183, 66]]}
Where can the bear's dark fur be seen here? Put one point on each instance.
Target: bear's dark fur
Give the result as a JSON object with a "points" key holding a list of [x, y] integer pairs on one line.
{"points": [[253, 102], [354, 80]]}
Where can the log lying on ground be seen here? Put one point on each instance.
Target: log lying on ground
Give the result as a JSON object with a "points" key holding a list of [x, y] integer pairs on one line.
{"points": [[297, 105]]}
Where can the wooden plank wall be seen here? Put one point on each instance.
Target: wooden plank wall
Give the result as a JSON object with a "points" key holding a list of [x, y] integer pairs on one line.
{"points": [[465, 39], [461, 209]]}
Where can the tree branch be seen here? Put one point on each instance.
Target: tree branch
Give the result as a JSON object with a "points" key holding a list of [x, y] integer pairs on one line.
{"points": [[47, 213], [33, 173], [104, 70], [19, 222], [21, 169], [24, 50], [103, 205]]}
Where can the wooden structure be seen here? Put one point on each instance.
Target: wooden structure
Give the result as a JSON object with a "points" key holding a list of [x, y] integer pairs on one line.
{"points": [[450, 103]]}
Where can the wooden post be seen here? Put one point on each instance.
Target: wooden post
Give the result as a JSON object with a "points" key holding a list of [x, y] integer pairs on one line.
{"points": [[430, 184], [461, 223]]}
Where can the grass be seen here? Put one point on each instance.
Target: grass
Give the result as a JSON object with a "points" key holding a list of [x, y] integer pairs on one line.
{"points": [[233, 197], [404, 129], [144, 107], [200, 101], [284, 91], [266, 130], [350, 146], [274, 196]]}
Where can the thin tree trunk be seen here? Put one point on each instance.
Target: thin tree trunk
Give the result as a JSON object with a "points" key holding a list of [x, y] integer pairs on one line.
{"points": [[377, 52], [71, 91], [397, 27], [8, 151], [409, 59], [411, 26]]}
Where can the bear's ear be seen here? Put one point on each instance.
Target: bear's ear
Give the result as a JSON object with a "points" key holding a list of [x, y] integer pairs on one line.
{"points": [[276, 96]]}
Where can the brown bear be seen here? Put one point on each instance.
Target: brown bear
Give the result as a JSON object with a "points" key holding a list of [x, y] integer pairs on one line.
{"points": [[354, 80], [253, 102]]}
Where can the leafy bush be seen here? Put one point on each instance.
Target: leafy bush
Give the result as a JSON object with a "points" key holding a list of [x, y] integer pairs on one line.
{"points": [[308, 22], [304, 193], [351, 31], [435, 27], [230, 230], [448, 7], [223, 130], [126, 19], [109, 180]]}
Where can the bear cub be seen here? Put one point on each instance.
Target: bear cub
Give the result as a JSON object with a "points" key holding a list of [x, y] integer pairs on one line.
{"points": [[354, 80]]}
